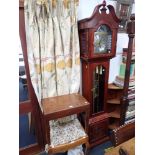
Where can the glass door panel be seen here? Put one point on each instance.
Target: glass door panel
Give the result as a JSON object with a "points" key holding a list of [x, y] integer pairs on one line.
{"points": [[98, 89]]}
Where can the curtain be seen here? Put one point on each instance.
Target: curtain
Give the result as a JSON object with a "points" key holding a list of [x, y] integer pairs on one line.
{"points": [[52, 46]]}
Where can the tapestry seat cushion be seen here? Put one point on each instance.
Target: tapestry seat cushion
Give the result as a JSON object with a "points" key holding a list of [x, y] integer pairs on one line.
{"points": [[62, 120], [62, 133]]}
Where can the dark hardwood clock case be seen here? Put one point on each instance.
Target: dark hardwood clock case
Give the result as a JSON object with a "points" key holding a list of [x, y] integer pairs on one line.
{"points": [[98, 37]]}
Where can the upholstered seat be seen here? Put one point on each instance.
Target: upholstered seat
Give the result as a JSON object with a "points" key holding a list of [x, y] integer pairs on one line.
{"points": [[66, 132]]}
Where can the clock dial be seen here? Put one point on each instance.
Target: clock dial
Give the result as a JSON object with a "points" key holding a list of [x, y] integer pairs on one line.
{"points": [[102, 40]]}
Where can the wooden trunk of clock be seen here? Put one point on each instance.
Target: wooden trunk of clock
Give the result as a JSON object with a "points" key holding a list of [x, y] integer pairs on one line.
{"points": [[98, 37]]}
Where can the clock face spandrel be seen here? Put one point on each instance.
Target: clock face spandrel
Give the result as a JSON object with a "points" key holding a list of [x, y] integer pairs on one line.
{"points": [[102, 40]]}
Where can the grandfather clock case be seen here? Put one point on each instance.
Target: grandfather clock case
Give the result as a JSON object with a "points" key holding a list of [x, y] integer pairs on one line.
{"points": [[98, 37]]}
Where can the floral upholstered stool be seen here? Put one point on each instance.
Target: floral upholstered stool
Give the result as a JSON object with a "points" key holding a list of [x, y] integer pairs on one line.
{"points": [[67, 133], [64, 133], [63, 130]]}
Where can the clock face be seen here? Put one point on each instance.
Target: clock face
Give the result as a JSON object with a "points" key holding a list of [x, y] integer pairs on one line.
{"points": [[102, 40]]}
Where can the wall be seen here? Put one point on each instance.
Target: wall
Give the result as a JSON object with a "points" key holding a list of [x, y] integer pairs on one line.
{"points": [[85, 10]]}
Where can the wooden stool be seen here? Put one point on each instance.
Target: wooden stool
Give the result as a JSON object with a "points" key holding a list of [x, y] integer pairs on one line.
{"points": [[61, 136]]}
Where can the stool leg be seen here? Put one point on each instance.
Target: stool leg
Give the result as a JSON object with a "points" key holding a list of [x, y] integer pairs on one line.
{"points": [[87, 148]]}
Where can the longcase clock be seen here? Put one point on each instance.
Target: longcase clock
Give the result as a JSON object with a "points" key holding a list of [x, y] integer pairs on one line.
{"points": [[98, 37]]}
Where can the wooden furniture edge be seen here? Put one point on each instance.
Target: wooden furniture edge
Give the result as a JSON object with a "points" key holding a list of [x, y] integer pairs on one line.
{"points": [[30, 150], [62, 147]]}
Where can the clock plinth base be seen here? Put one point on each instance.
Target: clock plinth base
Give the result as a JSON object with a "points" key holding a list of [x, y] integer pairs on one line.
{"points": [[98, 129]]}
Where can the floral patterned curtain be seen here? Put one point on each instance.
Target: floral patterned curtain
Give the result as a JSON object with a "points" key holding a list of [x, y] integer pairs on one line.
{"points": [[53, 48]]}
